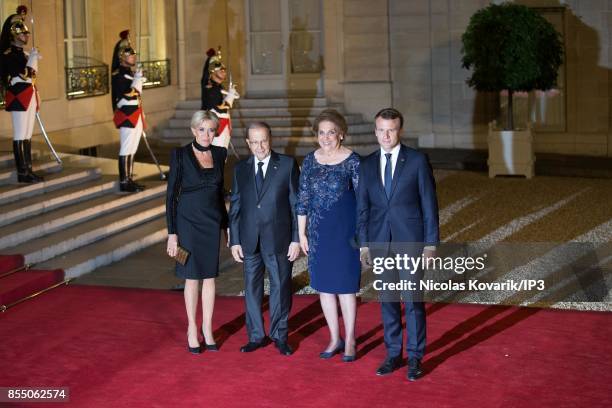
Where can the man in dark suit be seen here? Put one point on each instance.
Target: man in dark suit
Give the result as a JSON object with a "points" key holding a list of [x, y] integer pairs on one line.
{"points": [[397, 213], [264, 234]]}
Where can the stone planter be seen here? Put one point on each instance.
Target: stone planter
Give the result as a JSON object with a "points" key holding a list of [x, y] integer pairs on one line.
{"points": [[510, 151]]}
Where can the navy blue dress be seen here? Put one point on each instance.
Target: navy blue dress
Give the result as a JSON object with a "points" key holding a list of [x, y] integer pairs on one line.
{"points": [[327, 198]]}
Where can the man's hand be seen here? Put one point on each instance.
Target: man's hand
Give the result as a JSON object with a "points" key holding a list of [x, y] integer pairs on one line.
{"points": [[364, 256], [237, 253], [304, 244], [172, 246], [428, 254], [294, 251]]}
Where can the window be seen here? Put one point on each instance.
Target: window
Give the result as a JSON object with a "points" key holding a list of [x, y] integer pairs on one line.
{"points": [[76, 45], [151, 30]]}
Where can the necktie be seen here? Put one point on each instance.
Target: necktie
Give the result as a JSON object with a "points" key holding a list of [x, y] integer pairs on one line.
{"points": [[259, 178], [388, 177]]}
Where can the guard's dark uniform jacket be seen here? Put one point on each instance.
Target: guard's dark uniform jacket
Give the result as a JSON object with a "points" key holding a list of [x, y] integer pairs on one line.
{"points": [[19, 94], [212, 98], [126, 100]]}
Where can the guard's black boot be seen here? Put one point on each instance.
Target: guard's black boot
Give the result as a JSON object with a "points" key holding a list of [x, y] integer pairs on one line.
{"points": [[130, 175], [27, 152], [124, 182], [22, 169]]}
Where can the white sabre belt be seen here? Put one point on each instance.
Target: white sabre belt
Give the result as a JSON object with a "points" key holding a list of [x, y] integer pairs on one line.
{"points": [[17, 79], [221, 115], [124, 102]]}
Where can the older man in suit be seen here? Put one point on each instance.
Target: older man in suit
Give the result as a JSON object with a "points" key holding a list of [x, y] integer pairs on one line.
{"points": [[264, 234], [398, 213]]}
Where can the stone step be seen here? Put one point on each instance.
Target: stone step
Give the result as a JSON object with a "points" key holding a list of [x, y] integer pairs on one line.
{"points": [[264, 112], [195, 104], [71, 238], [301, 151], [367, 128], [111, 249], [10, 176], [68, 177], [8, 160], [48, 223], [274, 122], [30, 207], [277, 141]]}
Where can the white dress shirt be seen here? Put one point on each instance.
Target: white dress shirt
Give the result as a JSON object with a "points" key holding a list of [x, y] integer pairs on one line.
{"points": [[265, 164], [383, 161]]}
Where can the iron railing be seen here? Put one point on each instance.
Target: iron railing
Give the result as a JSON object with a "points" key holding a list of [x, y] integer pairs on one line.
{"points": [[157, 73], [86, 81]]}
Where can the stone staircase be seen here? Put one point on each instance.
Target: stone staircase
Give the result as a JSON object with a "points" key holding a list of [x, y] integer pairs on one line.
{"points": [[290, 119], [77, 220]]}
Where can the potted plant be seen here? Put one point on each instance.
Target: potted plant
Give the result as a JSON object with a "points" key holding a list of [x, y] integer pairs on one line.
{"points": [[511, 48]]}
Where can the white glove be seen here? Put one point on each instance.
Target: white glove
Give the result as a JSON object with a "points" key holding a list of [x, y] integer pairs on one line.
{"points": [[138, 81], [33, 59], [231, 95]]}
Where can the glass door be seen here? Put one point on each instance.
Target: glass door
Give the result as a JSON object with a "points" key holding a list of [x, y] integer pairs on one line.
{"points": [[284, 47]]}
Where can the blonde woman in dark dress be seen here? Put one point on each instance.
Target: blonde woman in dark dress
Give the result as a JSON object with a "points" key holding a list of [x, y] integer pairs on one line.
{"points": [[196, 217]]}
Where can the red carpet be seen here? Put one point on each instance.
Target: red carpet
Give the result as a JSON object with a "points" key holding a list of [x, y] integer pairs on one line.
{"points": [[10, 262], [127, 348], [20, 284]]}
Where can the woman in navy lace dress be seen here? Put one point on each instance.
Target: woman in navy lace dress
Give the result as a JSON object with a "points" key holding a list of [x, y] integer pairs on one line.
{"points": [[327, 221]]}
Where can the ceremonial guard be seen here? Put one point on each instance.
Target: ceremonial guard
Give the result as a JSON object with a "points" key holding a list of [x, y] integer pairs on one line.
{"points": [[127, 84], [18, 76], [215, 98]]}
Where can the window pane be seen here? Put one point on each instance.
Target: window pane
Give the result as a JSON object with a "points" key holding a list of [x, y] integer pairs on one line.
{"points": [[305, 15], [79, 18], [145, 17], [266, 54], [265, 15], [305, 52]]}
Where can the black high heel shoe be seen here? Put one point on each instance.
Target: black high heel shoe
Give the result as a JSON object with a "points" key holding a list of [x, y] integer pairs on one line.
{"points": [[193, 350], [349, 358], [329, 354], [209, 347]]}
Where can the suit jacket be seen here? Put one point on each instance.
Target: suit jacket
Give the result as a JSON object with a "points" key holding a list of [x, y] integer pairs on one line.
{"points": [[410, 214], [269, 219]]}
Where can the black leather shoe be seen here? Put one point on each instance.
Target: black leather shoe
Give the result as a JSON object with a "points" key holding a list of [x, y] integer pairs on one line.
{"points": [[251, 346], [389, 366], [414, 369], [283, 348]]}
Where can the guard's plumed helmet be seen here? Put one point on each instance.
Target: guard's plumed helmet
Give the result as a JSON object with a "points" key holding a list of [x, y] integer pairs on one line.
{"points": [[125, 46], [18, 25], [122, 49], [215, 62]]}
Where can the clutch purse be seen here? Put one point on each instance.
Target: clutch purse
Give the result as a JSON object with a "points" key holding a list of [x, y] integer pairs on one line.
{"points": [[181, 255]]}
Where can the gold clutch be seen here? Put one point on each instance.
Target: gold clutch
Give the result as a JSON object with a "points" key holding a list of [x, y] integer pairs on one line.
{"points": [[181, 255]]}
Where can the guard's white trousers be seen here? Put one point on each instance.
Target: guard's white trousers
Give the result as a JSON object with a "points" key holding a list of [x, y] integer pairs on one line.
{"points": [[23, 122], [130, 137]]}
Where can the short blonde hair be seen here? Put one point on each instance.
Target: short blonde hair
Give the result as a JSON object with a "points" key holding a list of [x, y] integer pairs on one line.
{"points": [[333, 116], [202, 115]]}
